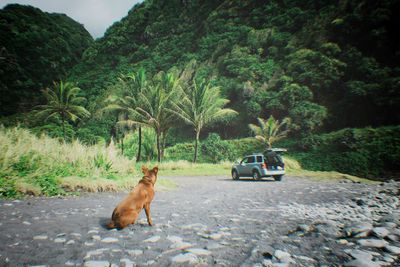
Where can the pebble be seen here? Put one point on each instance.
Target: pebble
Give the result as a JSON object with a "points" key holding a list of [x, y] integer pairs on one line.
{"points": [[70, 242], [69, 263], [342, 241], [215, 236], [362, 263], [127, 263], [135, 252], [40, 237], [96, 237], [60, 240], [97, 264], [199, 251], [93, 232], [279, 254], [380, 232], [185, 258], [26, 223], [393, 249], [373, 243], [153, 239], [95, 252], [109, 240]]}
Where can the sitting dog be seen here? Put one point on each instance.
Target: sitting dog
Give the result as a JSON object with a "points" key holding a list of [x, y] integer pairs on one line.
{"points": [[127, 211]]}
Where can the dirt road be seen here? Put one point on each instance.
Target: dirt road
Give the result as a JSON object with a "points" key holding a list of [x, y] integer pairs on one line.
{"points": [[210, 221]]}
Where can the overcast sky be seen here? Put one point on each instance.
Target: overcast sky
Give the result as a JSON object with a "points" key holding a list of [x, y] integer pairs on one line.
{"points": [[95, 15]]}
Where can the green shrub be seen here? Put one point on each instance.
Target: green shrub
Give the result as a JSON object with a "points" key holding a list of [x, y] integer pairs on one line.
{"points": [[214, 149]]}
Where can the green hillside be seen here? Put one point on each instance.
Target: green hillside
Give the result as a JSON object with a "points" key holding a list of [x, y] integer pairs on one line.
{"points": [[36, 48], [326, 64]]}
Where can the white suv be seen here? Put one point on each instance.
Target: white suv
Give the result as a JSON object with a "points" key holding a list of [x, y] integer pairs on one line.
{"points": [[260, 165]]}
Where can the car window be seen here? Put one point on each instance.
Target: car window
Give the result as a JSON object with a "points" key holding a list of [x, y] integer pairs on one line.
{"points": [[251, 160], [245, 160], [259, 159]]}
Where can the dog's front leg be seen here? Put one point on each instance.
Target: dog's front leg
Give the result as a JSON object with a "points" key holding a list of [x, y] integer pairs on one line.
{"points": [[147, 210]]}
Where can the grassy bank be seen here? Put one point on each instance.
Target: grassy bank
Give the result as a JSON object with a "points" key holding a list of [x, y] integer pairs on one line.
{"points": [[32, 165]]}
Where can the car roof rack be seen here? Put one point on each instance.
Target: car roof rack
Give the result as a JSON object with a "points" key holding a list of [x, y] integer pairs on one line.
{"points": [[277, 150]]}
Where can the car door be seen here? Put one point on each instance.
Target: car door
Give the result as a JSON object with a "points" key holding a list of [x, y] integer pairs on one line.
{"points": [[242, 166], [250, 165]]}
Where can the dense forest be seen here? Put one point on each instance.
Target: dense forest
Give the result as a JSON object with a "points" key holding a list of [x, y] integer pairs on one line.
{"points": [[36, 48], [323, 65]]}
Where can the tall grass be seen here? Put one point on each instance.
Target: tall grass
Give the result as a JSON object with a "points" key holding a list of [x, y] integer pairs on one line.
{"points": [[38, 165]]}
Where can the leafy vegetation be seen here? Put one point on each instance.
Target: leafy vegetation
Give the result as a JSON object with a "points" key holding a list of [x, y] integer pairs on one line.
{"points": [[36, 48], [329, 68]]}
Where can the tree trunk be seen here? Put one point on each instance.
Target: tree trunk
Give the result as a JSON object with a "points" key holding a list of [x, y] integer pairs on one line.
{"points": [[196, 147], [158, 146], [139, 145], [63, 125], [122, 145]]}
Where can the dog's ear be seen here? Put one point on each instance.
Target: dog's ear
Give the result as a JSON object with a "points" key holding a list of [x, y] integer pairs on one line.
{"points": [[155, 169], [144, 169]]}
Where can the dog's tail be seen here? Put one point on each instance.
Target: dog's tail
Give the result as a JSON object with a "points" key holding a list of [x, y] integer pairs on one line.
{"points": [[110, 225]]}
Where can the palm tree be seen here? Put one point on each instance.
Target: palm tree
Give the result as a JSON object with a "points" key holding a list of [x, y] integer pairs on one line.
{"points": [[63, 101], [200, 106], [155, 101], [271, 130], [131, 86]]}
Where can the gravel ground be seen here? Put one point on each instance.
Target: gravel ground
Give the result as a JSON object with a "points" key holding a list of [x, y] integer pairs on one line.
{"points": [[212, 221]]}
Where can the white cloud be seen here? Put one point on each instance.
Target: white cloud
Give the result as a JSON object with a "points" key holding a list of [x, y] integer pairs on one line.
{"points": [[95, 15]]}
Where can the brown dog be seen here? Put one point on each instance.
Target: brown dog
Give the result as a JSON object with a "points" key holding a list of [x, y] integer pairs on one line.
{"points": [[127, 211]]}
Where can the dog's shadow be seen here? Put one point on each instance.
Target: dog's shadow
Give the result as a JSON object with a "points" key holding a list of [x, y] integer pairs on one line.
{"points": [[103, 221]]}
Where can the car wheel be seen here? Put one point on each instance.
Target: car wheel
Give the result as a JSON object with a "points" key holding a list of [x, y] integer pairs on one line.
{"points": [[235, 175], [256, 175], [278, 177]]}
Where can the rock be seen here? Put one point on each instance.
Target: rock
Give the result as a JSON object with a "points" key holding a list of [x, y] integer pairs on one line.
{"points": [[153, 239], [393, 249], [135, 252], [127, 263], [89, 244], [373, 243], [97, 264], [109, 240], [60, 240], [150, 262], [215, 236], [185, 258], [78, 235], [362, 263], [40, 237], [70, 242], [93, 232], [282, 255], [358, 228], [342, 241], [94, 253], [359, 254], [26, 223], [393, 238], [96, 237], [69, 263], [360, 202], [199, 251], [380, 232], [305, 228], [212, 246]]}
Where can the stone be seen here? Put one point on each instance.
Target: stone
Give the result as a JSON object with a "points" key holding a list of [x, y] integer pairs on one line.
{"points": [[359, 254], [342, 241], [70, 242], [393, 249], [153, 239], [70, 263], [109, 240], [96, 237], [40, 237], [94, 252], [373, 243], [26, 223], [362, 263], [185, 258], [96, 264], [60, 240], [215, 236], [393, 238], [93, 232], [214, 246], [358, 228], [380, 232], [199, 251], [279, 254], [89, 244], [135, 252], [126, 263], [304, 227]]}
